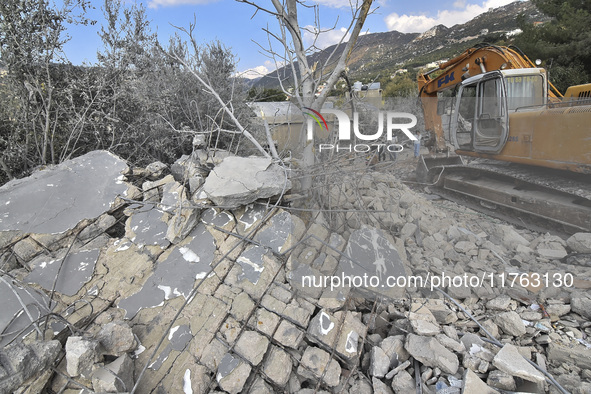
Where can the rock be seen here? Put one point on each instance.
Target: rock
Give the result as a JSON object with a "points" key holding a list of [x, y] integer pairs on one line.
{"points": [[114, 377], [379, 362], [509, 360], [278, 366], [441, 312], [576, 354], [316, 362], [155, 169], [510, 237], [431, 353], [252, 346], [393, 346], [81, 188], [552, 254], [580, 242], [361, 386], [232, 374], [473, 384], [582, 306], [423, 322], [501, 303], [81, 355], [241, 180], [501, 380], [403, 383], [510, 323], [116, 338], [450, 343]]}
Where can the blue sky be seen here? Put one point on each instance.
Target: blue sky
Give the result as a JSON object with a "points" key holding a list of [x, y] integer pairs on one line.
{"points": [[237, 26]]}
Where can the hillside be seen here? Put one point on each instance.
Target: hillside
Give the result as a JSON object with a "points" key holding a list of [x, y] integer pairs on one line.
{"points": [[383, 53]]}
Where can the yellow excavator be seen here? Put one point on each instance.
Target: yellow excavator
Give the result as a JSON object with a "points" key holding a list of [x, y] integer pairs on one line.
{"points": [[529, 146]]}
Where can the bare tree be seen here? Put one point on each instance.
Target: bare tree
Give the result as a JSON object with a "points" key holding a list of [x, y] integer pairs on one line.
{"points": [[198, 63], [306, 77]]}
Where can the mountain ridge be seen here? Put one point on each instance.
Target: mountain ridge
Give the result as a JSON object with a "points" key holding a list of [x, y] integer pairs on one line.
{"points": [[384, 52]]}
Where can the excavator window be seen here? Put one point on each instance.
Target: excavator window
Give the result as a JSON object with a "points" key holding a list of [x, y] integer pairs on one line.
{"points": [[489, 129], [466, 115], [524, 91]]}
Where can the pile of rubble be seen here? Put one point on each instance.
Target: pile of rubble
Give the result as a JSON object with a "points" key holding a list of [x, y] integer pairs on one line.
{"points": [[195, 279]]}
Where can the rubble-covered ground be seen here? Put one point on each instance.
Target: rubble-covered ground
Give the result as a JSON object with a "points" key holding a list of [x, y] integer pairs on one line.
{"points": [[213, 275]]}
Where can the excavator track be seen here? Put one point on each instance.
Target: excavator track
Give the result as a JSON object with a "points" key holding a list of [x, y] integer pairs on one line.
{"points": [[561, 198]]}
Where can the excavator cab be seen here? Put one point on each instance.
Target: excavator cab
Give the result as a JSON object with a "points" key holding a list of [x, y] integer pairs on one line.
{"points": [[480, 122]]}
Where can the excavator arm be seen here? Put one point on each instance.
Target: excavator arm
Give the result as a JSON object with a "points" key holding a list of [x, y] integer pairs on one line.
{"points": [[476, 60]]}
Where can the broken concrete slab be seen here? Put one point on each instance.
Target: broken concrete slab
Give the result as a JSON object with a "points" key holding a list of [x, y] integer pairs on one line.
{"points": [[252, 346], [21, 362], [11, 318], [431, 353], [510, 361], [317, 363], [325, 327], [576, 354], [74, 270], [379, 364], [371, 252], [117, 376], [147, 226], [473, 384], [56, 199], [278, 366], [176, 272], [240, 181], [232, 374]]}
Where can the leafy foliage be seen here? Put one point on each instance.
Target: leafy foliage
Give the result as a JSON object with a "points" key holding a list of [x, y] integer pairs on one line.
{"points": [[564, 43], [138, 101]]}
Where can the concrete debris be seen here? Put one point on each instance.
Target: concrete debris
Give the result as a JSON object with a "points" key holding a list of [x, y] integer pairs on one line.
{"points": [[21, 364], [580, 243], [242, 180], [473, 384], [431, 353], [107, 277], [510, 323], [73, 187], [403, 383], [116, 338], [510, 361], [114, 377], [81, 355], [316, 364], [501, 380], [582, 306], [252, 346], [380, 363], [278, 366]]}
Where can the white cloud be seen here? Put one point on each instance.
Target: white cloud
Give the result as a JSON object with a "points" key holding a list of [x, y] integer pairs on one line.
{"points": [[337, 3], [172, 3], [325, 38], [420, 23]]}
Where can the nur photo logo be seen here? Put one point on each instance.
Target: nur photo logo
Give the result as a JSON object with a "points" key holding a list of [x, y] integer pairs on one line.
{"points": [[392, 122]]}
